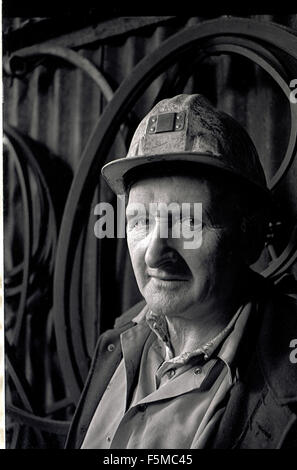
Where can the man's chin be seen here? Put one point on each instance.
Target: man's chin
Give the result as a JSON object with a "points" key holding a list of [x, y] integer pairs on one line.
{"points": [[164, 305], [167, 297]]}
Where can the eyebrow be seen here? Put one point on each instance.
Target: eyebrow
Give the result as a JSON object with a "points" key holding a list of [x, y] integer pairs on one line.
{"points": [[175, 210]]}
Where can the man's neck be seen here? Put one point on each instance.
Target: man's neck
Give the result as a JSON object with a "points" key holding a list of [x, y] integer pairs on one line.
{"points": [[189, 334]]}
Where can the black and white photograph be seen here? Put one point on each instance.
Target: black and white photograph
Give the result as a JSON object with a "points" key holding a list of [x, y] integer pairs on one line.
{"points": [[149, 203]]}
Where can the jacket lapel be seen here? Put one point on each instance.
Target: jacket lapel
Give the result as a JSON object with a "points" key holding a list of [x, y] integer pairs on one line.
{"points": [[104, 363]]}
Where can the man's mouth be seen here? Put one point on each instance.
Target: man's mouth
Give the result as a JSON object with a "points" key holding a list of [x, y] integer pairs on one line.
{"points": [[169, 277], [169, 271]]}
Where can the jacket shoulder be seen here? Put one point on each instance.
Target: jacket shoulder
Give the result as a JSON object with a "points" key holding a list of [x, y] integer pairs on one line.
{"points": [[278, 329]]}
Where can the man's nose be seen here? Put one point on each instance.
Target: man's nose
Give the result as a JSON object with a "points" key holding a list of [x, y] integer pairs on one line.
{"points": [[159, 249]]}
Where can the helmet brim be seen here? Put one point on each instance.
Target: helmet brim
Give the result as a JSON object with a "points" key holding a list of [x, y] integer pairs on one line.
{"points": [[114, 172]]}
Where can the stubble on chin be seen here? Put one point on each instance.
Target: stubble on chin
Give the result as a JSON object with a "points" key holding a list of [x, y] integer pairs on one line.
{"points": [[163, 301]]}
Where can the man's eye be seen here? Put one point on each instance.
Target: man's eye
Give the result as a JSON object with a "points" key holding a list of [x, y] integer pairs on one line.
{"points": [[142, 222], [191, 223]]}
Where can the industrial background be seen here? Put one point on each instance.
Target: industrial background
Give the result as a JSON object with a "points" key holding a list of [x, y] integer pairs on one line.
{"points": [[74, 92]]}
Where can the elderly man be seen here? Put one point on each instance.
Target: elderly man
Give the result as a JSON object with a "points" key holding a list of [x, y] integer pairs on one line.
{"points": [[203, 361]]}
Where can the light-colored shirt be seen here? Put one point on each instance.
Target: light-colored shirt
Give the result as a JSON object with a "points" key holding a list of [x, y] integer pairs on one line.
{"points": [[176, 402]]}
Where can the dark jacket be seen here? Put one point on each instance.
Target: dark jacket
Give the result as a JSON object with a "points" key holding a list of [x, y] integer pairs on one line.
{"points": [[261, 410]]}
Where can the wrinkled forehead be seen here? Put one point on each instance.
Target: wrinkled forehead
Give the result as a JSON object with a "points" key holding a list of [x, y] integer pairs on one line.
{"points": [[171, 189]]}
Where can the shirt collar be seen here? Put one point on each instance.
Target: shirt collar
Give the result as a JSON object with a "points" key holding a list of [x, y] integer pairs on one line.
{"points": [[227, 339]]}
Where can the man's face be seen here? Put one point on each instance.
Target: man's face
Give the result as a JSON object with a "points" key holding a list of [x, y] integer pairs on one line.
{"points": [[173, 279]]}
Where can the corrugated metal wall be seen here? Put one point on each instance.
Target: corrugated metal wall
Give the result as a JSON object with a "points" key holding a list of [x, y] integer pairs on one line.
{"points": [[58, 104]]}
